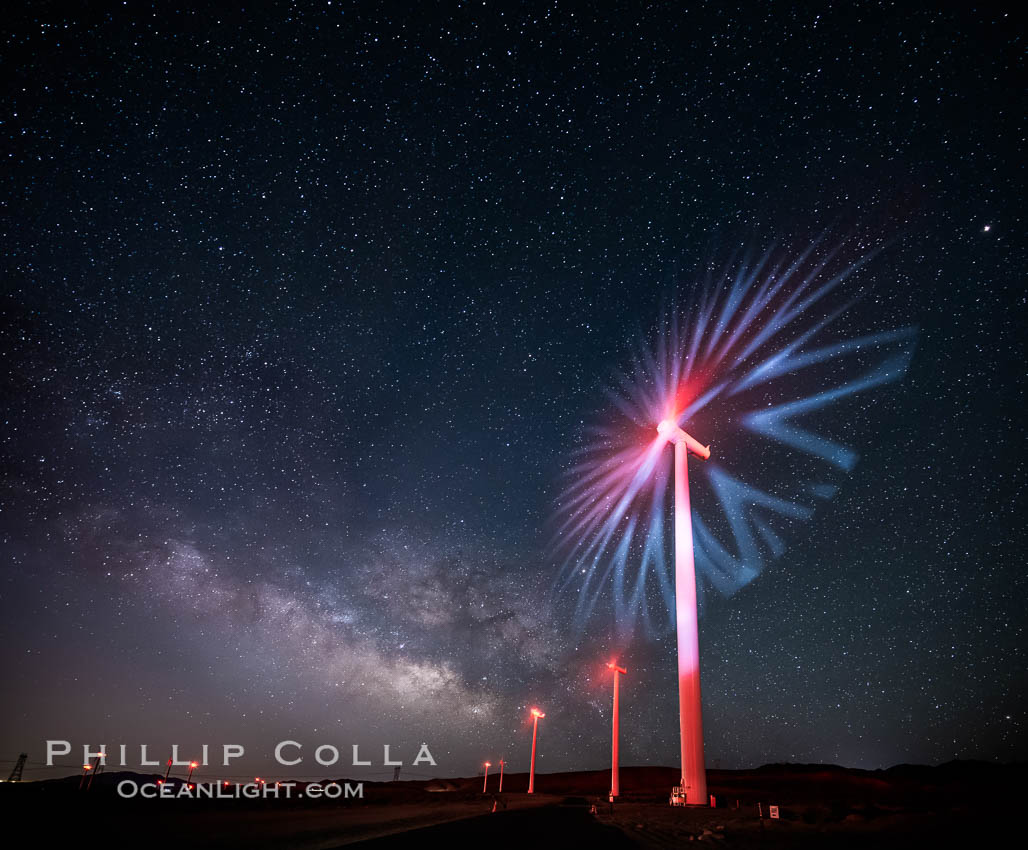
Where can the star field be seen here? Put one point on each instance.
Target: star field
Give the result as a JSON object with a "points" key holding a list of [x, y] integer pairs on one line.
{"points": [[304, 306]]}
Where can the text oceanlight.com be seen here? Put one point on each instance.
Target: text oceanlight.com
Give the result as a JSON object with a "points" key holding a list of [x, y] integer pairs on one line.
{"points": [[128, 788]]}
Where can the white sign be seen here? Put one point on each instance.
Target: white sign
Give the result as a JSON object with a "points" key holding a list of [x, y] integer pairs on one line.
{"points": [[774, 812]]}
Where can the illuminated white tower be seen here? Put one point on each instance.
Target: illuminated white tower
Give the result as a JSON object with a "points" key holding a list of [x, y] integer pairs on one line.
{"points": [[615, 789], [690, 704]]}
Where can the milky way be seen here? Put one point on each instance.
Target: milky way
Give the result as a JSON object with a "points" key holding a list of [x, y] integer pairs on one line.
{"points": [[306, 309]]}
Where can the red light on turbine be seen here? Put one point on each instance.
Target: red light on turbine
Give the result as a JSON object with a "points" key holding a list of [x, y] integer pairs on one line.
{"points": [[536, 714]]}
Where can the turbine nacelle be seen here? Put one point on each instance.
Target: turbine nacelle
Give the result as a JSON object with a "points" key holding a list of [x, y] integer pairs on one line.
{"points": [[670, 431]]}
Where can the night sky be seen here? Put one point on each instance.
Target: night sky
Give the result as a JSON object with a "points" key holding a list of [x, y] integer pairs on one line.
{"points": [[305, 307]]}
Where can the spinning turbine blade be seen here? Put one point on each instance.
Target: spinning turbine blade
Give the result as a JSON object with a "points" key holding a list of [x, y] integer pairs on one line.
{"points": [[763, 360]]}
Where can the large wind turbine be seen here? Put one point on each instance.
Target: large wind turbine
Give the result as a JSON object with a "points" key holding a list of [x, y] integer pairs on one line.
{"points": [[763, 356], [615, 788], [690, 706], [536, 714]]}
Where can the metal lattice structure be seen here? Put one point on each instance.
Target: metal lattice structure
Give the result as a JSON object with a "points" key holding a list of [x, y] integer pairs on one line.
{"points": [[18, 768]]}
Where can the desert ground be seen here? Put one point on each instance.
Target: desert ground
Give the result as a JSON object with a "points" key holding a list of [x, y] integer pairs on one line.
{"points": [[818, 805]]}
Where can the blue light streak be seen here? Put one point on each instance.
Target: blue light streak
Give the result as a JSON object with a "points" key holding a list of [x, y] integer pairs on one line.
{"points": [[760, 369]]}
